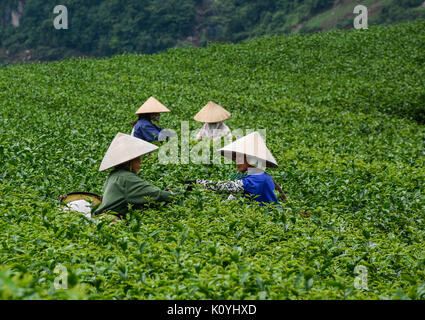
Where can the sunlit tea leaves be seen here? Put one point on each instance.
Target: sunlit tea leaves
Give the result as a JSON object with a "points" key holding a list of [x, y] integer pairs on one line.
{"points": [[343, 112]]}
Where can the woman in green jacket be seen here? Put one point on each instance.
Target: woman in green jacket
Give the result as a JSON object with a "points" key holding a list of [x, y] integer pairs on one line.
{"points": [[123, 186]]}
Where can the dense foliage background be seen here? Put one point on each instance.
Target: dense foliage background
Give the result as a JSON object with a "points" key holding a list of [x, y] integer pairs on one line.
{"points": [[339, 109], [108, 27]]}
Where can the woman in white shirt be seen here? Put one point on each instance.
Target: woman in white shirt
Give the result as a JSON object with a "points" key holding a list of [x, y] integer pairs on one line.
{"points": [[213, 116]]}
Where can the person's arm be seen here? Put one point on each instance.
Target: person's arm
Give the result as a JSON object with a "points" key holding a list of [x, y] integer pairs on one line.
{"points": [[153, 131], [279, 189], [147, 131], [142, 192], [234, 186], [224, 130], [202, 132]]}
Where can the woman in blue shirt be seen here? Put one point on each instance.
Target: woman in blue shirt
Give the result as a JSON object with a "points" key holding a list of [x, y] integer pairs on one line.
{"points": [[252, 157], [143, 128]]}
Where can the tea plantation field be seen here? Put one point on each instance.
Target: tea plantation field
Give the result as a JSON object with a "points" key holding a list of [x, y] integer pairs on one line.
{"points": [[344, 113]]}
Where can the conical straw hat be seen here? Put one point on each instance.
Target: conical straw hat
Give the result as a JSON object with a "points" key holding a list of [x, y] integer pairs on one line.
{"points": [[212, 112], [251, 145], [125, 148], [152, 106]]}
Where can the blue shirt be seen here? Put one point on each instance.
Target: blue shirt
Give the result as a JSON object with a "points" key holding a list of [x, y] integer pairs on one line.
{"points": [[146, 130], [261, 187]]}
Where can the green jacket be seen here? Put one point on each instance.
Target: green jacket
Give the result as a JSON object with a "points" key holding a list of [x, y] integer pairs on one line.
{"points": [[124, 187]]}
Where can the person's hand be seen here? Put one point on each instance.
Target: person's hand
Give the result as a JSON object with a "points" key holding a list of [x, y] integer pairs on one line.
{"points": [[189, 184]]}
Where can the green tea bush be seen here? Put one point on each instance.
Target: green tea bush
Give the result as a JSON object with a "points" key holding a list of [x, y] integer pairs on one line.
{"points": [[339, 111]]}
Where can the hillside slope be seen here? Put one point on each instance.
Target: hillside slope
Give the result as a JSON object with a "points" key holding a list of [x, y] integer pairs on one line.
{"points": [[336, 107], [108, 27]]}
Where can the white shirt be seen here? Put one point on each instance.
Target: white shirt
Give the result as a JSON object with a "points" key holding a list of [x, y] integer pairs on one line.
{"points": [[214, 131]]}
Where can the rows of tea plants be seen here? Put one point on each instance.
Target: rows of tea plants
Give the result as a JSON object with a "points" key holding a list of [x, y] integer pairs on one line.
{"points": [[343, 113]]}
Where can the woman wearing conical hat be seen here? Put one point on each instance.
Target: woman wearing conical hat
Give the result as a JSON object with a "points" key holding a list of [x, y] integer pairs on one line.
{"points": [[123, 186], [213, 116], [143, 128], [252, 157]]}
